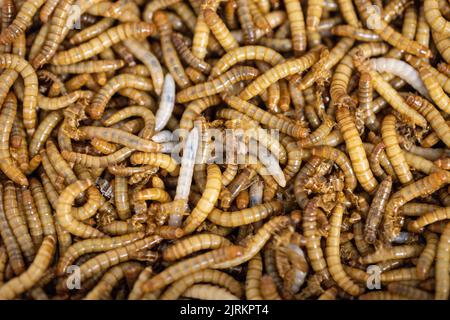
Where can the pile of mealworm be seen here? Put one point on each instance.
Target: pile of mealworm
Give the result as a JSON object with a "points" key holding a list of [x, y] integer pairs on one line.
{"points": [[111, 124]]}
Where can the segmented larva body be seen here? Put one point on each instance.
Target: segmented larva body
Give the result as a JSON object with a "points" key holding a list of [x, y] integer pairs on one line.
{"points": [[393, 151], [192, 265], [397, 252], [27, 280], [429, 218], [30, 80], [253, 278], [137, 250], [245, 216], [268, 288], [22, 21], [105, 40], [426, 258], [355, 149], [219, 30], [193, 244], [207, 201], [208, 292], [280, 71], [7, 166], [31, 215], [434, 17], [206, 276], [163, 161], [11, 244], [442, 265], [434, 89], [421, 187], [409, 291], [64, 207], [297, 23], [217, 85], [376, 210], [359, 34], [333, 257]]}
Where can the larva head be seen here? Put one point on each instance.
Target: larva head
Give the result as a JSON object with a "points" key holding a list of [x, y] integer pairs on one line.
{"points": [[145, 29]]}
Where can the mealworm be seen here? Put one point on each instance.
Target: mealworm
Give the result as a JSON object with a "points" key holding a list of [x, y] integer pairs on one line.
{"points": [[253, 278], [423, 186], [63, 211], [217, 85], [268, 288], [434, 89], [297, 24], [187, 56], [219, 30], [191, 265], [332, 254], [442, 259], [26, 280], [208, 292], [104, 40], [434, 17], [427, 256], [21, 22], [12, 246], [31, 215], [133, 251], [393, 151], [170, 55]]}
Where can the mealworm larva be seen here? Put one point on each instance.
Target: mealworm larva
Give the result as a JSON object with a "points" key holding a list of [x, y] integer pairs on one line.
{"points": [[429, 218], [105, 40], [91, 31], [43, 207], [245, 216], [166, 104], [121, 197], [280, 71], [217, 85], [7, 115], [442, 266], [220, 30], [246, 21], [268, 288], [163, 161], [95, 161], [427, 256], [22, 21], [119, 136], [333, 256], [409, 291], [297, 24], [55, 33], [388, 34], [393, 151], [16, 220], [31, 215], [424, 186], [193, 244], [272, 121], [207, 201], [348, 12], [102, 291], [187, 56], [434, 89], [137, 250], [207, 276], [101, 98], [170, 55], [59, 164], [376, 210], [382, 295], [91, 66], [63, 211], [31, 88], [321, 132], [359, 34], [434, 17], [12, 246], [192, 265], [43, 131], [355, 149], [208, 292], [253, 278], [397, 252], [155, 194], [26, 280]]}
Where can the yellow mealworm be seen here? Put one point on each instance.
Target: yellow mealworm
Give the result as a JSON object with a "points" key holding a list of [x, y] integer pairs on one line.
{"points": [[253, 278], [31, 215], [207, 276], [208, 292], [246, 216], [442, 268], [188, 56], [220, 30], [105, 40], [297, 23], [434, 17], [397, 252], [26, 280], [429, 218], [427, 256], [393, 151], [332, 252], [63, 211], [61, 166], [191, 265], [217, 85], [434, 89], [355, 149], [192, 244], [170, 55]]}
